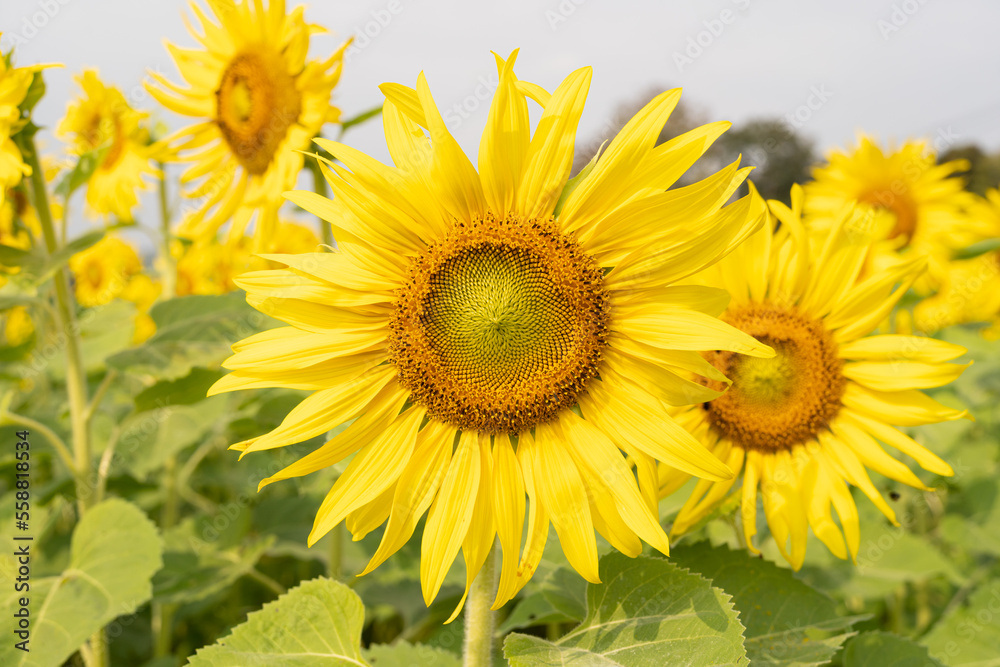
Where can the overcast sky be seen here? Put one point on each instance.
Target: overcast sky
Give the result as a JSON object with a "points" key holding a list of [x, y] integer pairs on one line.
{"points": [[894, 68]]}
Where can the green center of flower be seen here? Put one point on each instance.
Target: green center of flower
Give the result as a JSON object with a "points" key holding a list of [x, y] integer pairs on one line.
{"points": [[257, 102], [501, 325], [775, 404]]}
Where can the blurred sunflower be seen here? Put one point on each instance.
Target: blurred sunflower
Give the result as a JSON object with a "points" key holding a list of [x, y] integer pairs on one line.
{"points": [[259, 101], [499, 333], [110, 269], [102, 271], [103, 120], [809, 422], [209, 267], [14, 85], [970, 288], [917, 205]]}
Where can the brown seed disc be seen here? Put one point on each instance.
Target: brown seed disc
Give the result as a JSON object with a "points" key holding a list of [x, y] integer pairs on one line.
{"points": [[256, 104], [500, 326], [778, 403]]}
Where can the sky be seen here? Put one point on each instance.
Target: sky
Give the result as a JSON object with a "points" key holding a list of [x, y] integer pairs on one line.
{"points": [[894, 69]]}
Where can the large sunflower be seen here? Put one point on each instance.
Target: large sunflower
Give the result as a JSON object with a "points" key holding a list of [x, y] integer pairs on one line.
{"points": [[810, 422], [503, 332], [102, 119], [259, 101], [917, 206]]}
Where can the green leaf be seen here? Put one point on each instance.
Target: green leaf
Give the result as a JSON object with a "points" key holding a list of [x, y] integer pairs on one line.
{"points": [[192, 331], [787, 622], [11, 256], [61, 256], [648, 612], [410, 655], [881, 649], [533, 610], [114, 553], [359, 119], [185, 391], [35, 92], [967, 635], [566, 591], [318, 623], [195, 569], [148, 439], [82, 171], [977, 249]]}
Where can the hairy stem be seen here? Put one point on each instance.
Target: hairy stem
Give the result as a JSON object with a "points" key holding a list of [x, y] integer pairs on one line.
{"points": [[479, 618]]}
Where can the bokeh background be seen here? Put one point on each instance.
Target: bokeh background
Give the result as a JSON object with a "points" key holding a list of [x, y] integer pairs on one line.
{"points": [[892, 68]]}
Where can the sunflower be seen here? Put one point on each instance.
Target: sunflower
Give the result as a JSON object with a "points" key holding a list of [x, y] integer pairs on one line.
{"points": [[258, 101], [102, 119], [499, 333], [14, 85], [808, 423], [917, 207], [209, 267], [970, 288]]}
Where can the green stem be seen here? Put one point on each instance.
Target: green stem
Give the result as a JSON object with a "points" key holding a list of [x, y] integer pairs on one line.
{"points": [[336, 568], [169, 268], [163, 613], [76, 378], [57, 443], [273, 585], [479, 618], [319, 186]]}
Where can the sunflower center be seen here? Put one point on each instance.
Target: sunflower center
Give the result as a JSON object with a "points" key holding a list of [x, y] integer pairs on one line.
{"points": [[256, 104], [900, 204], [775, 404], [501, 325]]}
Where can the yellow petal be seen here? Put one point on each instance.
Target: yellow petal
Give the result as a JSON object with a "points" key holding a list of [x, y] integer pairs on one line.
{"points": [[450, 515], [901, 375], [508, 510], [629, 413], [924, 457], [321, 411], [373, 469], [417, 485], [550, 153], [675, 328], [599, 460], [505, 142], [895, 347], [900, 408], [561, 491], [601, 191], [367, 518], [380, 414], [482, 531]]}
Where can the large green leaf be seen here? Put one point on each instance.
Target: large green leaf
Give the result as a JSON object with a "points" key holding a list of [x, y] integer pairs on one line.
{"points": [[115, 552], [316, 624], [189, 389], [195, 567], [647, 612], [787, 622], [192, 331], [881, 649], [148, 439], [410, 655], [969, 634]]}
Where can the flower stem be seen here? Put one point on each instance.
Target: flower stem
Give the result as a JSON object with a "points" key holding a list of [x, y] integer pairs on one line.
{"points": [[169, 267], [76, 378], [479, 618], [319, 187]]}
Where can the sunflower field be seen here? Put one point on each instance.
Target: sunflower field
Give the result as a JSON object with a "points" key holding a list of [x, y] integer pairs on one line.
{"points": [[266, 399]]}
